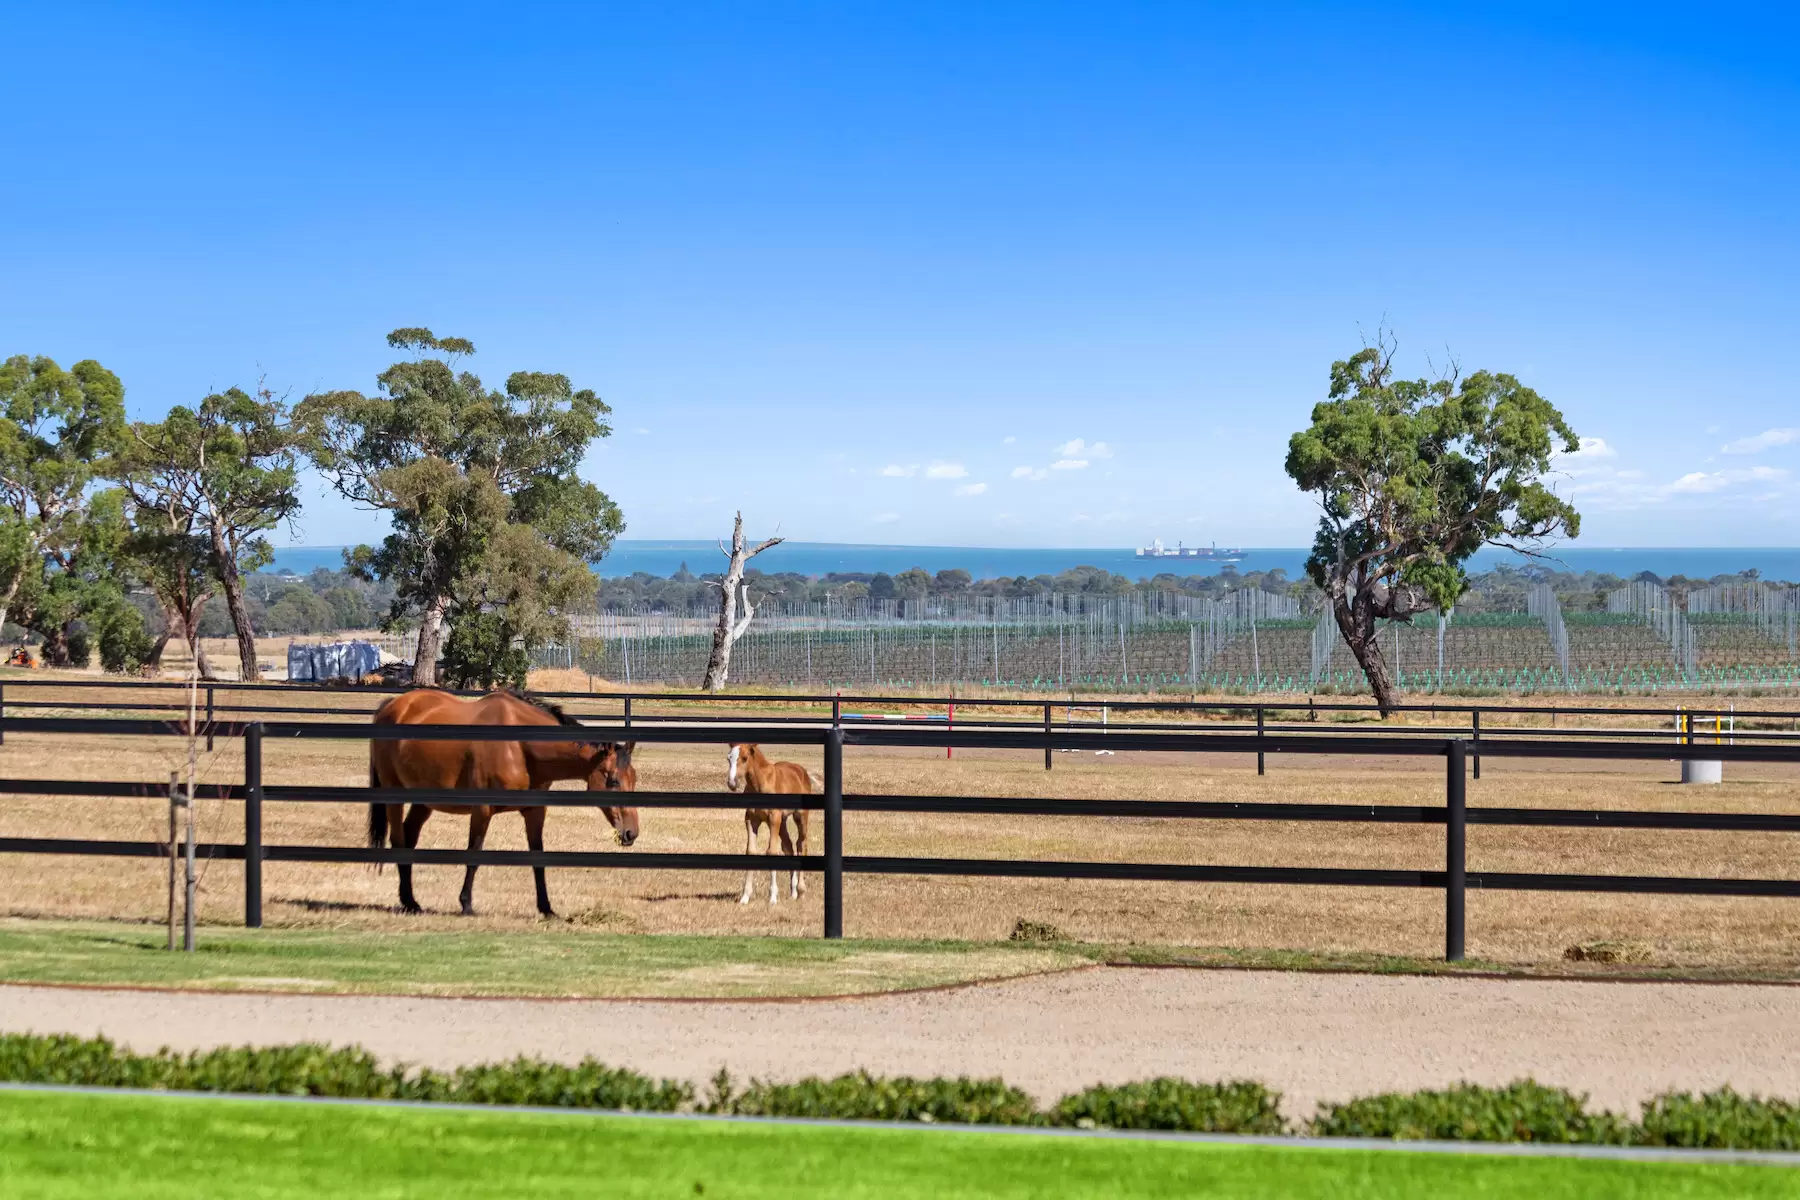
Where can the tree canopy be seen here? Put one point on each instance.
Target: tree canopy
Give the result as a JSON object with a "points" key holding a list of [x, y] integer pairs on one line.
{"points": [[59, 430], [226, 471], [1413, 476], [455, 464]]}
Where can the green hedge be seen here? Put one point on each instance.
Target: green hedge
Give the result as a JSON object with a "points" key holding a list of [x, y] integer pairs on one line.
{"points": [[865, 1097], [1721, 1120], [1174, 1104], [1523, 1111], [313, 1070]]}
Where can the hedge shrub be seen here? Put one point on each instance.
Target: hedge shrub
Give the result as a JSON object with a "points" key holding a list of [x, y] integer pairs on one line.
{"points": [[1176, 1104], [314, 1070], [865, 1097], [1721, 1120], [1522, 1111]]}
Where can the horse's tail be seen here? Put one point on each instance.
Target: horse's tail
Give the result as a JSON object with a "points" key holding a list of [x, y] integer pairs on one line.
{"points": [[814, 782], [378, 815]]}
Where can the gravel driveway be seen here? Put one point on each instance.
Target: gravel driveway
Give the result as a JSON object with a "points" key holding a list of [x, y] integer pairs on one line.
{"points": [[1312, 1036]]}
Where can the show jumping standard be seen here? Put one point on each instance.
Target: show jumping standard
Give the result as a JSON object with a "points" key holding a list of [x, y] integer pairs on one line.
{"points": [[516, 766], [748, 770]]}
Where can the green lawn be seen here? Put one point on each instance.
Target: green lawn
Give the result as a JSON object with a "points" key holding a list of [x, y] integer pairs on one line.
{"points": [[57, 1145], [555, 961]]}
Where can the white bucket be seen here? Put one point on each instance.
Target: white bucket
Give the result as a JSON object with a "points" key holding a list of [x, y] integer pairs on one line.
{"points": [[1702, 770]]}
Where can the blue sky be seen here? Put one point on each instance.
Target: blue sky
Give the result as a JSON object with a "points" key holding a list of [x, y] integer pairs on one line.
{"points": [[888, 273]]}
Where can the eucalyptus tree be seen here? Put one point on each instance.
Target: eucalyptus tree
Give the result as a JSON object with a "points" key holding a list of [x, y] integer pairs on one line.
{"points": [[58, 431], [225, 472], [1415, 475], [453, 463]]}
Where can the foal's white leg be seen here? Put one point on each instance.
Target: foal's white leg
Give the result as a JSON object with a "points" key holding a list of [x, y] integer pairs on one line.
{"points": [[788, 847], [774, 830], [749, 848]]}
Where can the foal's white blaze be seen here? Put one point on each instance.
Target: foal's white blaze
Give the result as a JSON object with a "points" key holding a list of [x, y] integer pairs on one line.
{"points": [[731, 760]]}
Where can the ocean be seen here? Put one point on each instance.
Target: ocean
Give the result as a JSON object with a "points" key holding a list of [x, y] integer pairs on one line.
{"points": [[819, 558]]}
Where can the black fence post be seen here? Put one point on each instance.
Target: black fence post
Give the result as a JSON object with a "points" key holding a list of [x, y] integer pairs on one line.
{"points": [[834, 833], [209, 717], [1476, 749], [1260, 756], [1455, 852], [2, 714], [253, 847], [1046, 737], [628, 712]]}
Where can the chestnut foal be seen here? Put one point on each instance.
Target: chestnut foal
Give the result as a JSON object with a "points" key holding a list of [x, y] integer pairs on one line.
{"points": [[749, 771]]}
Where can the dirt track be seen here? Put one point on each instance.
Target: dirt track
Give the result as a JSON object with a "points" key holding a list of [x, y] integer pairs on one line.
{"points": [[1313, 1036]]}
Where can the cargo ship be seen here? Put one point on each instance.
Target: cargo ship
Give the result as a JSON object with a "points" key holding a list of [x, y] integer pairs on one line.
{"points": [[1208, 553]]}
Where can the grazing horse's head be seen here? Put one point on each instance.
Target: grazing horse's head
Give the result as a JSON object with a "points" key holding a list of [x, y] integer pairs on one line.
{"points": [[612, 772], [738, 757]]}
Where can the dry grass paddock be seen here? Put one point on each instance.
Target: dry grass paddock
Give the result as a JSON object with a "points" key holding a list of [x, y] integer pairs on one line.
{"points": [[1511, 927]]}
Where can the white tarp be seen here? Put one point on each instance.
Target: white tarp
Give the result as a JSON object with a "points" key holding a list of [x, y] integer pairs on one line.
{"points": [[338, 660]]}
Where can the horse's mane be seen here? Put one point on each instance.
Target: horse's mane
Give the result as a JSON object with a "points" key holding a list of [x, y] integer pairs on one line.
{"points": [[555, 710]]}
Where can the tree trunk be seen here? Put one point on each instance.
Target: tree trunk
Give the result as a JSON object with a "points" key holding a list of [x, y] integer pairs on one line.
{"points": [[190, 632], [431, 641], [226, 565], [718, 663], [12, 590], [56, 647], [729, 628], [1356, 621]]}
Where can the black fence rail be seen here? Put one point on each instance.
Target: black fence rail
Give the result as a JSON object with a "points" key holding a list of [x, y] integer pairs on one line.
{"points": [[1454, 814], [1701, 725]]}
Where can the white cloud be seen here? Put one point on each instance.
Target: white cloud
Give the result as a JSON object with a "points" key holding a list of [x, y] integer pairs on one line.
{"points": [[896, 471], [1008, 440], [1069, 464], [1078, 448], [1766, 440], [1591, 447], [1699, 481], [946, 470], [884, 518], [971, 489], [1703, 482], [640, 429], [1030, 473]]}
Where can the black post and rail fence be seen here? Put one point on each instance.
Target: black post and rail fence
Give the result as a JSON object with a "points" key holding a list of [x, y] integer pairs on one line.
{"points": [[833, 735]]}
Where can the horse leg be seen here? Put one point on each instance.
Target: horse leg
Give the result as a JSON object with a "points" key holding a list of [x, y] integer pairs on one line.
{"points": [[749, 849], [779, 820], [787, 847], [797, 881], [534, 840], [408, 836], [801, 821], [478, 823]]}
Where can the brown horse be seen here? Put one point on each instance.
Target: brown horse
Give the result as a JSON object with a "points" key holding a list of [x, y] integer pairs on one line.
{"points": [[514, 765], [749, 770]]}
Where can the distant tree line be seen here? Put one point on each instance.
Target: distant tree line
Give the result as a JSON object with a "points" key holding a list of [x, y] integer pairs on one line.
{"points": [[1500, 590]]}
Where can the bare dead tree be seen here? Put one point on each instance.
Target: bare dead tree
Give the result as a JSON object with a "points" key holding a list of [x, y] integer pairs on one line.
{"points": [[732, 591]]}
